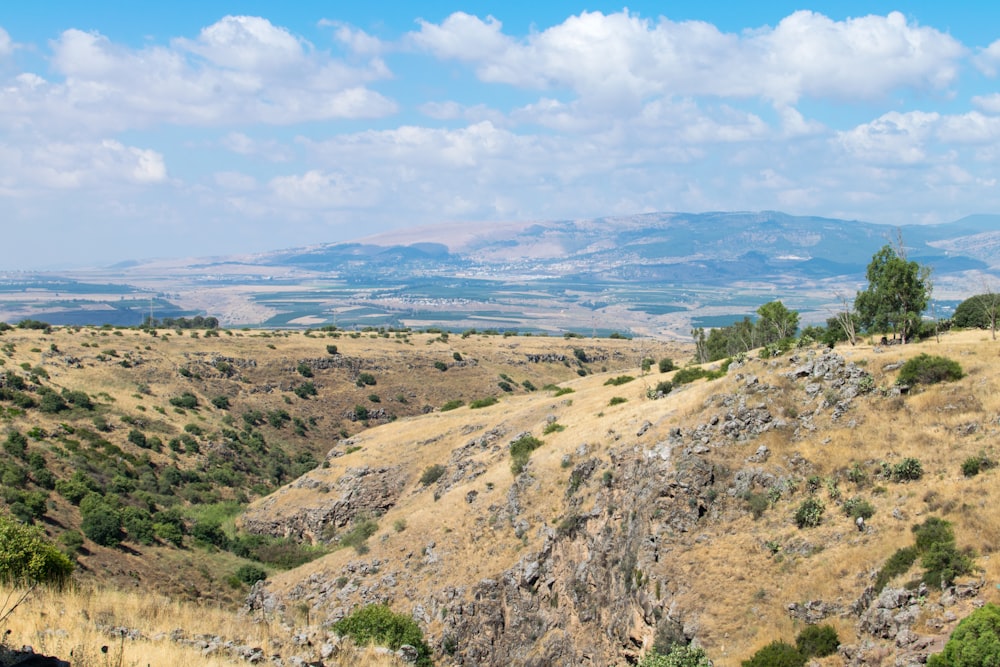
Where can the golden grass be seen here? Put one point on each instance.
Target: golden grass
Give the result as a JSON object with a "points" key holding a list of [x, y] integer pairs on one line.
{"points": [[78, 624]]}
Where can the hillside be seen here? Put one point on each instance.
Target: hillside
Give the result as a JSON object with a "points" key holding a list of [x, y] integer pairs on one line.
{"points": [[175, 431], [630, 516], [635, 519]]}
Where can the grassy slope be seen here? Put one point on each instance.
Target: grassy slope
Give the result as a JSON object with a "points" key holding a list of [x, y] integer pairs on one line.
{"points": [[723, 574]]}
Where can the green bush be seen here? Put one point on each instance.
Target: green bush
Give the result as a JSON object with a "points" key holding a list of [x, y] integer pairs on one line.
{"points": [[305, 390], [432, 474], [483, 402], [304, 370], [359, 533], [379, 625], [690, 374], [817, 641], [618, 381], [928, 369], [187, 400], [452, 404], [974, 465], [974, 643], [907, 470], [101, 522], [810, 513], [250, 574], [221, 402], [26, 557], [679, 655], [365, 379], [440, 365], [666, 365], [520, 452], [858, 507], [617, 400], [776, 654]]}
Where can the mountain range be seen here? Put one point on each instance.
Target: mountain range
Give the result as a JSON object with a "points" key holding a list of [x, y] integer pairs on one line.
{"points": [[656, 273]]}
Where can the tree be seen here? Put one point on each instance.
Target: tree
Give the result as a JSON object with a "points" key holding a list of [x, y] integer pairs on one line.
{"points": [[975, 642], [26, 558], [982, 311], [897, 294], [777, 322]]}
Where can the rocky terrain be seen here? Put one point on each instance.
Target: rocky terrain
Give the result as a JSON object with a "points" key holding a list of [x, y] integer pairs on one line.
{"points": [[634, 523]]}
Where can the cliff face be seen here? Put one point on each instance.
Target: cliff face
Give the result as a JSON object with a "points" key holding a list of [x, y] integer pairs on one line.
{"points": [[657, 520]]}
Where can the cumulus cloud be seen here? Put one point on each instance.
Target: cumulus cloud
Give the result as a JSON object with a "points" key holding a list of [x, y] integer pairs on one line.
{"points": [[240, 69], [355, 39], [989, 103], [988, 59], [65, 166], [607, 56], [6, 45], [894, 138]]}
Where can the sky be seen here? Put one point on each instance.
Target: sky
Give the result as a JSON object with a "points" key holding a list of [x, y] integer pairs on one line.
{"points": [[139, 130]]}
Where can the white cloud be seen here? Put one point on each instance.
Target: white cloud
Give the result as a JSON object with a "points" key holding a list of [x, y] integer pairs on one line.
{"points": [[970, 128], [989, 103], [64, 165], [242, 144], [6, 45], [988, 59], [233, 180], [355, 39], [894, 138], [247, 43], [614, 56], [318, 189], [240, 69]]}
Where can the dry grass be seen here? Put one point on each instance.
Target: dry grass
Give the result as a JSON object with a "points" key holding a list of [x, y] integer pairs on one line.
{"points": [[78, 625], [724, 577]]}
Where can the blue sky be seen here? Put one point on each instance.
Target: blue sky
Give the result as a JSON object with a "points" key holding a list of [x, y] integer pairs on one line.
{"points": [[135, 130]]}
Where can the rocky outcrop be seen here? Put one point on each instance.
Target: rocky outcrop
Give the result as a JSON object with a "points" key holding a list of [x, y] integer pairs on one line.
{"points": [[363, 491]]}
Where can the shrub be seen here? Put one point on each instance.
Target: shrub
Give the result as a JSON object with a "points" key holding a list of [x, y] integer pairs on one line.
{"points": [[365, 379], [562, 391], [520, 452], [378, 624], [974, 643], [810, 513], [101, 523], [304, 369], [440, 365], [617, 381], [51, 402], [187, 400], [973, 465], [26, 557], [483, 402], [359, 533], [929, 369], [250, 574], [331, 349], [137, 438], [553, 427], [666, 365], [757, 503], [690, 374], [221, 402], [776, 654], [16, 444], [679, 655], [432, 474], [858, 507], [209, 531], [817, 641], [907, 470], [452, 404], [617, 400], [305, 390]]}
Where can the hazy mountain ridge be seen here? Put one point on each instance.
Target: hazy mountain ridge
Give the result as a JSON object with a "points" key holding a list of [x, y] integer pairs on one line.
{"points": [[657, 273]]}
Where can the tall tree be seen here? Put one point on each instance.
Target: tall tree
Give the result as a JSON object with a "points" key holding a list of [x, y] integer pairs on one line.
{"points": [[897, 294], [777, 322]]}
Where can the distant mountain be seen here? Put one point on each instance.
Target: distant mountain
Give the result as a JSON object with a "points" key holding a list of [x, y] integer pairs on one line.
{"points": [[657, 273], [713, 247]]}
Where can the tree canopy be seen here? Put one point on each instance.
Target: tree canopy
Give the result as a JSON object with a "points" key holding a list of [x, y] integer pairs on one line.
{"points": [[897, 294]]}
